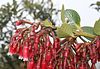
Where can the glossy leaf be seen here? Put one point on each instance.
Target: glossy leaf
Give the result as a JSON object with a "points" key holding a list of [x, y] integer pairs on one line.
{"points": [[97, 27], [47, 23], [89, 30], [72, 16], [62, 14], [64, 31]]}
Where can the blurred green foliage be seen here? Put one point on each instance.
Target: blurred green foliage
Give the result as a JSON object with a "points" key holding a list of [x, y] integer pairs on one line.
{"points": [[96, 6]]}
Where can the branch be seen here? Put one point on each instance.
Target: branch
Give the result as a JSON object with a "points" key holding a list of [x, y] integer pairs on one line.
{"points": [[81, 33]]}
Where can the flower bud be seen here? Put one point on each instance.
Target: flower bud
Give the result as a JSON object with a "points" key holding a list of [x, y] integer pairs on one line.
{"points": [[19, 22]]}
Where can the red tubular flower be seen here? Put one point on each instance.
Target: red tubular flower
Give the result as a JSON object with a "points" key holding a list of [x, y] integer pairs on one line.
{"points": [[94, 49], [30, 46], [19, 22], [31, 54], [41, 50], [20, 52], [18, 30], [38, 66], [36, 47], [33, 44], [73, 60], [50, 66], [82, 66], [53, 51], [31, 65], [77, 57], [66, 53], [65, 63], [25, 53], [12, 49], [61, 64], [36, 41], [48, 56], [56, 43], [48, 43], [84, 55], [90, 52], [70, 67], [95, 56], [31, 51], [13, 38], [98, 56], [44, 64], [78, 47]]}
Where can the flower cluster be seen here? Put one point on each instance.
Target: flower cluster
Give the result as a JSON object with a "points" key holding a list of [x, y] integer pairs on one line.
{"points": [[40, 52]]}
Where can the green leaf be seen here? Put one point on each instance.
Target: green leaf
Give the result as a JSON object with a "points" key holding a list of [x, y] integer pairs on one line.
{"points": [[64, 31], [98, 3], [62, 14], [72, 16], [89, 30], [47, 23], [97, 27], [74, 28]]}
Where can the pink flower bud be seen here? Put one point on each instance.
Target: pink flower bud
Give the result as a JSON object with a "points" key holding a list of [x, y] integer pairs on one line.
{"points": [[19, 22]]}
